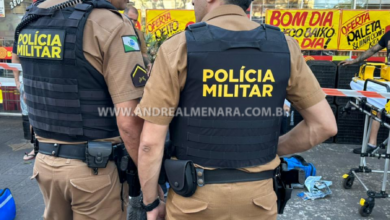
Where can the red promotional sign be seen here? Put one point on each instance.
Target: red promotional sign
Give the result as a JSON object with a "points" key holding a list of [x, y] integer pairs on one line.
{"points": [[5, 53]]}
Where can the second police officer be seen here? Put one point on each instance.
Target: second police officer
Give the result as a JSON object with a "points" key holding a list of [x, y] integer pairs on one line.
{"points": [[80, 60]]}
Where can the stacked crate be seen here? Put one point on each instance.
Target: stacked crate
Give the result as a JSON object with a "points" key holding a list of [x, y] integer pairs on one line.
{"points": [[350, 127], [344, 78], [11, 99]]}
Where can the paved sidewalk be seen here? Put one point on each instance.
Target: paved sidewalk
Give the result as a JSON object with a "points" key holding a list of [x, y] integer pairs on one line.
{"points": [[331, 161]]}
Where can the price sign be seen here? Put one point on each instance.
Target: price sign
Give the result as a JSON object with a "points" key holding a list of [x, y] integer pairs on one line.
{"points": [[15, 3]]}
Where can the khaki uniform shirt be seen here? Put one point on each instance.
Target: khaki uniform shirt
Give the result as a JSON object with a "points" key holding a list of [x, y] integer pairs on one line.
{"points": [[168, 76], [103, 48]]}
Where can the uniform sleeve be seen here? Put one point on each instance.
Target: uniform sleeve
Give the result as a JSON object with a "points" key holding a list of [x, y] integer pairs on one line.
{"points": [[303, 89], [162, 92], [144, 50], [119, 63], [384, 40]]}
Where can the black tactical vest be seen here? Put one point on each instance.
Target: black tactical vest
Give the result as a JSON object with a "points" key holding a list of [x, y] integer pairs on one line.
{"points": [[230, 109], [63, 90]]}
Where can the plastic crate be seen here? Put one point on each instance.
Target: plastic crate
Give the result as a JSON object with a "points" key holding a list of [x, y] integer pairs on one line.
{"points": [[349, 134], [298, 118], [344, 78], [351, 128], [355, 118], [325, 72], [11, 99]]}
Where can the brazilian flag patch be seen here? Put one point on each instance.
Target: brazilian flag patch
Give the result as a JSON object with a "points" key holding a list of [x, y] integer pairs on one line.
{"points": [[139, 76], [130, 43]]}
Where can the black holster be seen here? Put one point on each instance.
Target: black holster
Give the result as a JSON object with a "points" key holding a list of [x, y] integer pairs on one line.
{"points": [[127, 169], [282, 190], [34, 141]]}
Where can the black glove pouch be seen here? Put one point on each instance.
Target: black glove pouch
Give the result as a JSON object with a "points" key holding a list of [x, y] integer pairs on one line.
{"points": [[181, 176], [98, 154]]}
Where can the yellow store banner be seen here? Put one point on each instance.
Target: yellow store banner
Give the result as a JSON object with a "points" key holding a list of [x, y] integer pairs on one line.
{"points": [[313, 29], [168, 22], [362, 29]]}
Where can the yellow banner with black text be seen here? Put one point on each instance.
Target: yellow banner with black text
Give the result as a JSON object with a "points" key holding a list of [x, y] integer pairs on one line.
{"points": [[362, 29], [331, 29], [168, 22]]}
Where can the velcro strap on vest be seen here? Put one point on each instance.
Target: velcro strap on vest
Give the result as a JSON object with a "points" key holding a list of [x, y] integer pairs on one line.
{"points": [[56, 128], [95, 108], [41, 11], [51, 86], [217, 155], [77, 15], [80, 10], [203, 38], [94, 95], [54, 115], [96, 134], [228, 140], [54, 102], [200, 31], [70, 54], [271, 27], [233, 124], [48, 22], [224, 45], [83, 7], [101, 122], [70, 38]]}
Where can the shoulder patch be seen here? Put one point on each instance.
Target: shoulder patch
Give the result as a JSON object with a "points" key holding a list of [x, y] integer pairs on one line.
{"points": [[130, 43], [139, 76]]}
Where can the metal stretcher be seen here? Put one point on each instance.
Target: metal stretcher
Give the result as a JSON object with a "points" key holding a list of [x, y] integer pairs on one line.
{"points": [[371, 112]]}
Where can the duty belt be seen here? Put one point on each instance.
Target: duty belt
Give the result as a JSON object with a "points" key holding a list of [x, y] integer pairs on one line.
{"points": [[68, 151], [219, 176]]}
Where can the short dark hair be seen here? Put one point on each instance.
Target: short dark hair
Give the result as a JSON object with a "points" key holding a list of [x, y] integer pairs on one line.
{"points": [[126, 11], [244, 4]]}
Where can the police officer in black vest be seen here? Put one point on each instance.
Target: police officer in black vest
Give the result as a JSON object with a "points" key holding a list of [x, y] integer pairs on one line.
{"points": [[220, 87], [81, 59]]}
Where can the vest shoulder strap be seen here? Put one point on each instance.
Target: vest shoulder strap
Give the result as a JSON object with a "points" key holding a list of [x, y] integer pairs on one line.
{"points": [[199, 31], [80, 10], [34, 10], [83, 7], [267, 26]]}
